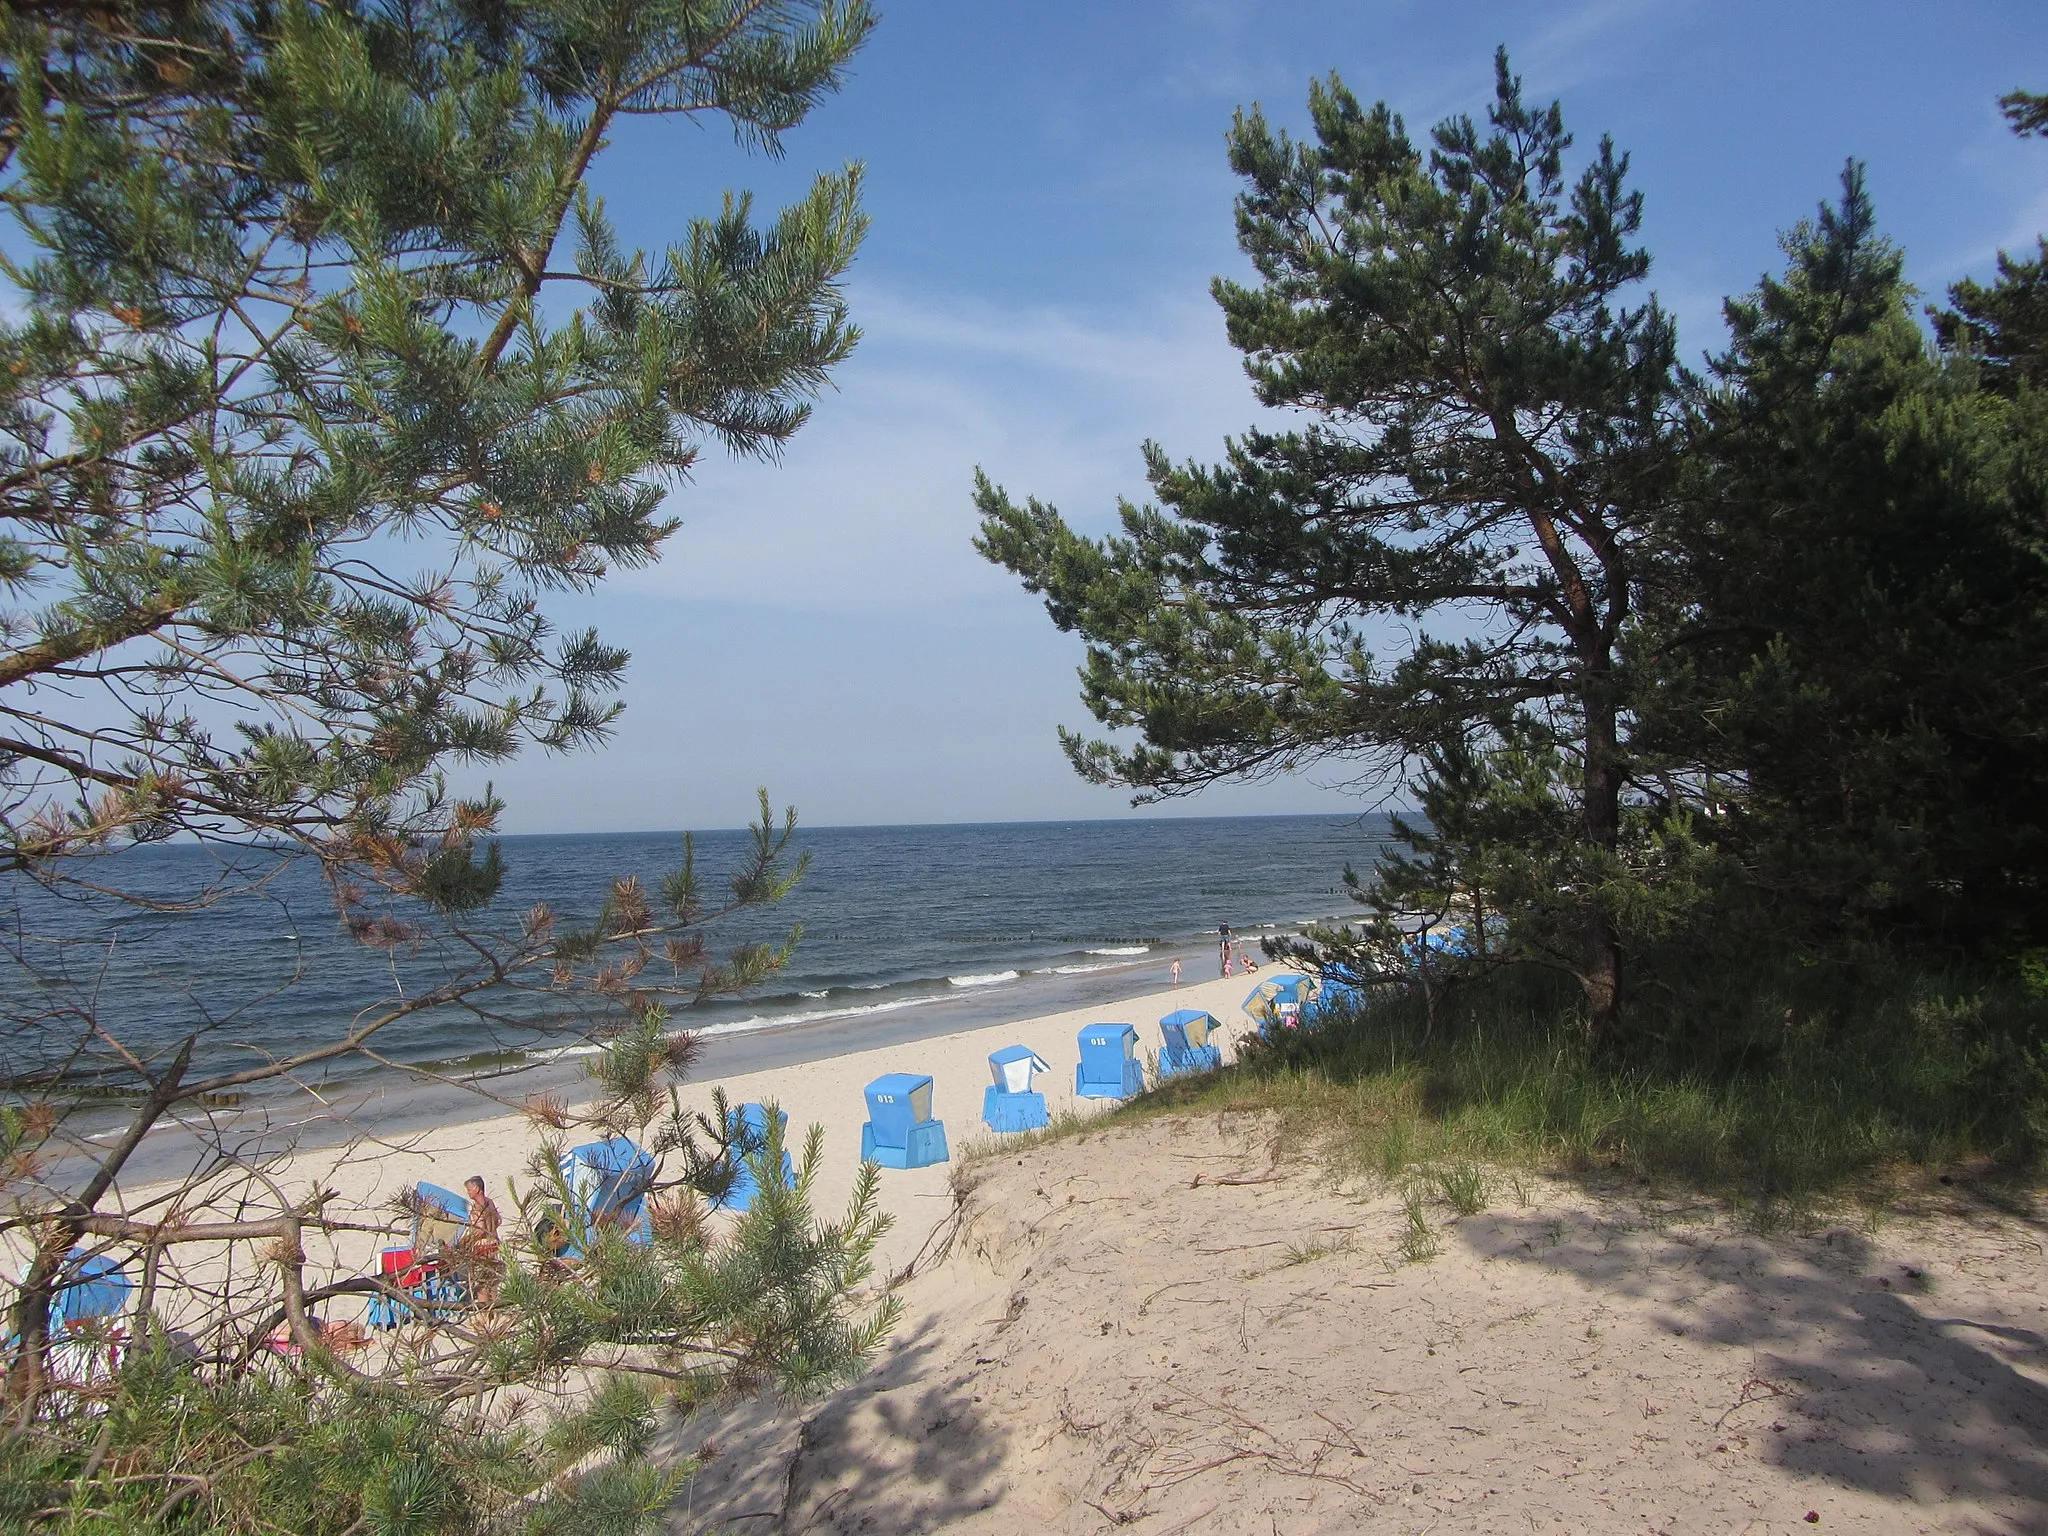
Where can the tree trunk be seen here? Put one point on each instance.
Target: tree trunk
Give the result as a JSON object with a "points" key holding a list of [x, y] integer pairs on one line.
{"points": [[1601, 821], [28, 1373]]}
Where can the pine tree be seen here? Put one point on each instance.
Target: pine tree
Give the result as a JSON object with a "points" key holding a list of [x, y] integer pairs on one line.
{"points": [[322, 371], [1849, 654], [1492, 396], [2005, 325], [326, 368]]}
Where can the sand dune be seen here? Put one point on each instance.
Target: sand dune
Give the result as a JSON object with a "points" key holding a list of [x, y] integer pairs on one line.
{"points": [[1127, 1331], [1175, 1328]]}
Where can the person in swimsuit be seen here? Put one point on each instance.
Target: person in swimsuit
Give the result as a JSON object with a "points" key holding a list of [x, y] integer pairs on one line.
{"points": [[480, 1242]]}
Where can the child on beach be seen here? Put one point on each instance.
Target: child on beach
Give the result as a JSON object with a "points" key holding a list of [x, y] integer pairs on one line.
{"points": [[1176, 973]]}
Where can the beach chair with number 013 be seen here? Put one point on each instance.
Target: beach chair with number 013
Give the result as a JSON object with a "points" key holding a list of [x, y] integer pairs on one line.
{"points": [[900, 1131], [1009, 1103], [1109, 1066]]}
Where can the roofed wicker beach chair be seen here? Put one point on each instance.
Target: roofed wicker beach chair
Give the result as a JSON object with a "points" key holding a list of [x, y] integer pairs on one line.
{"points": [[1109, 1067], [607, 1184], [1008, 1103], [1340, 992], [749, 1134], [900, 1131], [86, 1334], [1187, 1049], [609, 1181], [440, 1221], [1277, 1001]]}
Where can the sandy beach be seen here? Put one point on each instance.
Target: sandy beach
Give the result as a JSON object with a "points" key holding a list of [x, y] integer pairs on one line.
{"points": [[1185, 1325], [368, 1172]]}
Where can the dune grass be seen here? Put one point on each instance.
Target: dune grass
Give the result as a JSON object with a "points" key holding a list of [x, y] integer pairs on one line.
{"points": [[1780, 1086]]}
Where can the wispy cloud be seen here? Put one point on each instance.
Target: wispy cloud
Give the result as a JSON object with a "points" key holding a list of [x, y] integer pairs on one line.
{"points": [[871, 508]]}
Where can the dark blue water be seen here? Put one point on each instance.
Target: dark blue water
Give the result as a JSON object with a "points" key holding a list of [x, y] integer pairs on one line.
{"points": [[970, 922]]}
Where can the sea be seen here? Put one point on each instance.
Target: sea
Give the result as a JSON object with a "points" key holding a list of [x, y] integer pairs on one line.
{"points": [[907, 932]]}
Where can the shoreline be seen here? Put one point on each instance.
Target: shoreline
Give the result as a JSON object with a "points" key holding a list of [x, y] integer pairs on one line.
{"points": [[395, 1106], [367, 1158]]}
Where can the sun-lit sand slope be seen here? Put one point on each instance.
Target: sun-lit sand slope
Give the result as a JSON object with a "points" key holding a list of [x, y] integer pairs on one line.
{"points": [[1172, 1328]]}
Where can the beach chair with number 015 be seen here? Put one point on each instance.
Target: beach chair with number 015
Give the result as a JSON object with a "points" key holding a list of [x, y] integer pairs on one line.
{"points": [[1109, 1066]]}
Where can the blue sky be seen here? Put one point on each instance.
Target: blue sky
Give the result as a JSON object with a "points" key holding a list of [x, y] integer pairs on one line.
{"points": [[1050, 200]]}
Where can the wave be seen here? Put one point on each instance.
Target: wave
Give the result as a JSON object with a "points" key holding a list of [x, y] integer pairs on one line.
{"points": [[988, 980], [812, 1016], [1122, 949], [1081, 970], [826, 993]]}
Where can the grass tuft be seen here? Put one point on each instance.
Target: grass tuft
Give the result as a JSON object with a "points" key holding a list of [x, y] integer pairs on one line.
{"points": [[1776, 1085], [1418, 1243], [1463, 1187]]}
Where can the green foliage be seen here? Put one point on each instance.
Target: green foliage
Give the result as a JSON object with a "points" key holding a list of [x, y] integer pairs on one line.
{"points": [[1759, 1074], [322, 372], [1463, 1187], [1491, 400], [283, 323], [2005, 326], [407, 1450], [1418, 1243], [1847, 658]]}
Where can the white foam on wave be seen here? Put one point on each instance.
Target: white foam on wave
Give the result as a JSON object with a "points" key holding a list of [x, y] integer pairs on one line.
{"points": [[989, 980], [812, 1016], [826, 993], [1123, 949], [1081, 970]]}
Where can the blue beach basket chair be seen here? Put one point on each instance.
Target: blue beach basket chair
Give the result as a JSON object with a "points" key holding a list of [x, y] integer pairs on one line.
{"points": [[749, 1131], [439, 1219], [100, 1290], [1278, 1001], [900, 1131], [1186, 1033], [1109, 1066], [1008, 1103], [609, 1181], [1340, 992], [85, 1344], [86, 1341]]}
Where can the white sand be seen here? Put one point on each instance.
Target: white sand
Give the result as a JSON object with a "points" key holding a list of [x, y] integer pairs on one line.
{"points": [[1179, 1326], [826, 1093]]}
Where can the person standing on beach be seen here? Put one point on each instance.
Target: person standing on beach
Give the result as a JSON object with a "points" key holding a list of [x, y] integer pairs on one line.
{"points": [[1176, 973], [479, 1244], [1224, 945]]}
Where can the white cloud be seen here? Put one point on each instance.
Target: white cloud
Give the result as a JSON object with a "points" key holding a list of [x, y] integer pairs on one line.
{"points": [[871, 508]]}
